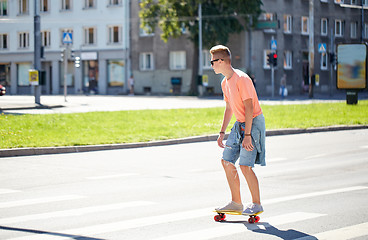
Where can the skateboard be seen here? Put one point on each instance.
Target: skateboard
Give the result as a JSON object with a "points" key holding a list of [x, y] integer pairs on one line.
{"points": [[221, 216]]}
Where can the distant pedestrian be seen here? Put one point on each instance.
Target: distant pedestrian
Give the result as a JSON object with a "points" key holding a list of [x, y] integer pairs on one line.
{"points": [[131, 85], [247, 137], [283, 90]]}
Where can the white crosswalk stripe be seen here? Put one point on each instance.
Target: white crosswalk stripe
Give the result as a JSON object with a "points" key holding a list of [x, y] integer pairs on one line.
{"points": [[74, 212], [38, 201], [6, 191], [239, 228], [344, 233]]}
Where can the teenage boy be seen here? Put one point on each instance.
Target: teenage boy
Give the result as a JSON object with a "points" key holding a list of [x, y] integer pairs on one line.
{"points": [[246, 140]]}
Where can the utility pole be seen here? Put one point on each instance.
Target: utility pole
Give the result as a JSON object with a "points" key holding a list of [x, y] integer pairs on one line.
{"points": [[200, 68], [37, 49], [332, 63], [311, 46]]}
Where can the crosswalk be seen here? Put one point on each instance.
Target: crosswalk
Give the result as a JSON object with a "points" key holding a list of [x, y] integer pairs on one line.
{"points": [[210, 229]]}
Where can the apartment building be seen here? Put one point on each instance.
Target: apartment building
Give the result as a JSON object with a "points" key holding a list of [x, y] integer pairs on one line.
{"points": [[153, 59], [100, 38]]}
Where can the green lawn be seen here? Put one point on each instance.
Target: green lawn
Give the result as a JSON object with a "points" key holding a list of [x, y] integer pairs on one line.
{"points": [[149, 125]]}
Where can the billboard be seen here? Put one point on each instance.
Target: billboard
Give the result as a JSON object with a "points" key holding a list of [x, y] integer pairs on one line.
{"points": [[351, 66]]}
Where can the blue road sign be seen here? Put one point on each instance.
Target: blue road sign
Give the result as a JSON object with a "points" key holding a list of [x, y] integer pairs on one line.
{"points": [[322, 48], [273, 44], [67, 37]]}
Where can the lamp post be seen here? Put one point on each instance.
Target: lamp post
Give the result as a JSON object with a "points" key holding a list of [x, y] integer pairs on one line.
{"points": [[37, 49]]}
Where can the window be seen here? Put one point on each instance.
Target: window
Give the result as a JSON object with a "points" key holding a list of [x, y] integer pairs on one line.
{"points": [[89, 3], [324, 27], [206, 59], [46, 38], [65, 30], [66, 5], [339, 28], [115, 34], [44, 5], [324, 58], [365, 34], [268, 17], [90, 36], [22, 73], [339, 1], [177, 60], [116, 73], [3, 41], [23, 38], [305, 25], [23, 7], [288, 60], [354, 2], [146, 31], [146, 61], [365, 3], [114, 2], [287, 23], [353, 29], [3, 7]]}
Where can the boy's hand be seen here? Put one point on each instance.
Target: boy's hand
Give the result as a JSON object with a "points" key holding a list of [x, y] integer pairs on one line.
{"points": [[247, 143], [220, 140]]}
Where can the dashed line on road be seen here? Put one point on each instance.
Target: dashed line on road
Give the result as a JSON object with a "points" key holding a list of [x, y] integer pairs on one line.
{"points": [[6, 191], [39, 201], [315, 156], [112, 176], [344, 233]]}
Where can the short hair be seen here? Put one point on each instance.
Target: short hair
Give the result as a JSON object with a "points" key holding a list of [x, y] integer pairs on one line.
{"points": [[222, 51]]}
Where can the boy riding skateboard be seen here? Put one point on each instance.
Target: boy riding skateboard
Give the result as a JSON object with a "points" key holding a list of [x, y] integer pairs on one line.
{"points": [[246, 140]]}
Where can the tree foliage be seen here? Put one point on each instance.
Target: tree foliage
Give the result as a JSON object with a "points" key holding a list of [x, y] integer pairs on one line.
{"points": [[220, 18]]}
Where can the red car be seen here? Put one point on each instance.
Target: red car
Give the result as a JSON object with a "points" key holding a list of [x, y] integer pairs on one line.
{"points": [[2, 90]]}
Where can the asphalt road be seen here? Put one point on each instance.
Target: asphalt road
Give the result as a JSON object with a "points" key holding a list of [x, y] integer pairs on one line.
{"points": [[314, 186]]}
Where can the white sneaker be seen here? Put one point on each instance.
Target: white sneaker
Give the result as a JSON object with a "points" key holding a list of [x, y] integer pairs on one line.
{"points": [[253, 209], [231, 207]]}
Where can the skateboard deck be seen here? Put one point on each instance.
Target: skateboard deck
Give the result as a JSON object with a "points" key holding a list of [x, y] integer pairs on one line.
{"points": [[221, 216]]}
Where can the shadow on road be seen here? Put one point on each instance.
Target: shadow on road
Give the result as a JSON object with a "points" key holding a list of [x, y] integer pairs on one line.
{"points": [[48, 233], [266, 228]]}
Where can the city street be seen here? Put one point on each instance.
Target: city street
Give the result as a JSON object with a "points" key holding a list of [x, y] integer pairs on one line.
{"points": [[314, 186]]}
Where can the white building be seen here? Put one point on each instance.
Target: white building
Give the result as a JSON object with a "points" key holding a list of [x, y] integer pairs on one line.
{"points": [[100, 34]]}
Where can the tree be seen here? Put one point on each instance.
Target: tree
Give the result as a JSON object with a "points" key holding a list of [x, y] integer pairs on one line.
{"points": [[220, 18]]}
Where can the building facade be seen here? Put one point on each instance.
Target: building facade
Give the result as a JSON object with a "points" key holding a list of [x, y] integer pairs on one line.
{"points": [[108, 39], [100, 38]]}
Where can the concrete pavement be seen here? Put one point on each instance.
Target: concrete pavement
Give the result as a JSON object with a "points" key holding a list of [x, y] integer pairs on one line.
{"points": [[74, 104]]}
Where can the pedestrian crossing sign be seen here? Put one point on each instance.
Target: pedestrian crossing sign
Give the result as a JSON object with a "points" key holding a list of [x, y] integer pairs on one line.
{"points": [[322, 48], [67, 38]]}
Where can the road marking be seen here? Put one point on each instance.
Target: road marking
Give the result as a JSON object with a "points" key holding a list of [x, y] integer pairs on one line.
{"points": [[38, 201], [229, 229], [74, 212], [350, 232], [180, 216], [313, 194], [5, 191], [315, 156], [112, 176], [280, 159], [364, 146]]}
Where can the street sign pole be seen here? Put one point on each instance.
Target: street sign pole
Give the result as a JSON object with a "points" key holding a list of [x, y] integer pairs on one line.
{"points": [[65, 71], [37, 49], [273, 80]]}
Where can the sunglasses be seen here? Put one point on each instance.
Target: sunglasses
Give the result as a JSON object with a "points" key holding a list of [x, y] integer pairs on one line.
{"points": [[215, 60]]}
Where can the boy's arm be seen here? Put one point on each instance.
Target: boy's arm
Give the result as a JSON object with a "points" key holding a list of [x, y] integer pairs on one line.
{"points": [[225, 122], [247, 141]]}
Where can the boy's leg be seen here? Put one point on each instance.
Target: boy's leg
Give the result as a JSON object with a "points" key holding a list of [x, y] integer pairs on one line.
{"points": [[233, 180], [252, 182]]}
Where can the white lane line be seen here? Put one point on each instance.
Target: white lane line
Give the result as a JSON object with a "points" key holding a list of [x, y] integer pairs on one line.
{"points": [[230, 229], [178, 216], [350, 232], [313, 194], [315, 156], [38, 201], [279, 159], [364, 146], [5, 191], [112, 176], [74, 212], [122, 225]]}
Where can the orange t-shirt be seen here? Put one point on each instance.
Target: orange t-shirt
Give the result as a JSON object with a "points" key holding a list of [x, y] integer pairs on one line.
{"points": [[238, 89]]}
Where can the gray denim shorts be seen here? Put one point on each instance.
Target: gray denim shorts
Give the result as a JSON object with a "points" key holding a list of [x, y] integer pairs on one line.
{"points": [[234, 150]]}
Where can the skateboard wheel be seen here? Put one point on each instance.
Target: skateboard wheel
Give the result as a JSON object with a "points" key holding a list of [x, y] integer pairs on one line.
{"points": [[254, 219], [251, 220], [220, 217], [257, 218]]}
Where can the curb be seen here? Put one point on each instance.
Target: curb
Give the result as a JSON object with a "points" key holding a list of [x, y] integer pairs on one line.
{"points": [[75, 149]]}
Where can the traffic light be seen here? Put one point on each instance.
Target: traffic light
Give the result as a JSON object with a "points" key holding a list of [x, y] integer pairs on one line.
{"points": [[274, 57], [77, 62], [332, 58], [270, 59]]}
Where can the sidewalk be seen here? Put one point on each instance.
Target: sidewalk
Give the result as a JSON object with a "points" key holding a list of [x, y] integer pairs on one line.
{"points": [[25, 104]]}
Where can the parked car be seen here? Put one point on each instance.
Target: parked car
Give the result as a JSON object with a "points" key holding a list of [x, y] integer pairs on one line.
{"points": [[2, 90]]}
